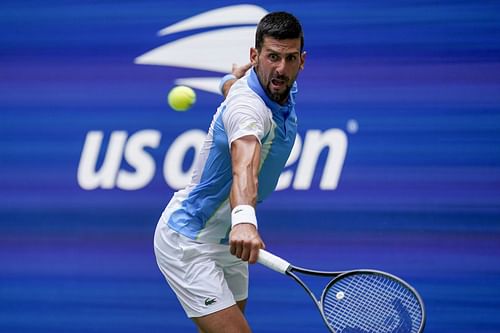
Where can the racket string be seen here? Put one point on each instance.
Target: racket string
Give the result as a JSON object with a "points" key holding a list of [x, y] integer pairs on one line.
{"points": [[362, 288], [371, 303]]}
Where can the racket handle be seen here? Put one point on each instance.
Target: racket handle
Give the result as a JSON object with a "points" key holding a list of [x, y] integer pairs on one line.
{"points": [[273, 262]]}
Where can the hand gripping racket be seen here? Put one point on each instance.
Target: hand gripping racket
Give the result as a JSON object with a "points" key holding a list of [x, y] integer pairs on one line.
{"points": [[360, 301]]}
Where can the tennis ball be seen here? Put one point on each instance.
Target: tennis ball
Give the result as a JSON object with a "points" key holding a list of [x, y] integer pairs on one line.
{"points": [[181, 98]]}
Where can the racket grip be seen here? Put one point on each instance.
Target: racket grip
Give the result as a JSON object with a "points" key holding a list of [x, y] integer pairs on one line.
{"points": [[273, 262]]}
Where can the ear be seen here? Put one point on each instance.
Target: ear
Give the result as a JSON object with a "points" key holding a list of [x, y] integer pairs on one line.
{"points": [[302, 59], [254, 54]]}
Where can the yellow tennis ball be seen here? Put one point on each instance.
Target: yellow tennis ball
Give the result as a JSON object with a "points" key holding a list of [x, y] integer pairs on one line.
{"points": [[181, 98]]}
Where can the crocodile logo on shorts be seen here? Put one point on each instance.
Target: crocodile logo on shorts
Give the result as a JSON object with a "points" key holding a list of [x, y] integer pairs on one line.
{"points": [[210, 301]]}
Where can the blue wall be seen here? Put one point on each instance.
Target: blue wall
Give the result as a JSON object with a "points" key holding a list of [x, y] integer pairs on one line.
{"points": [[418, 193]]}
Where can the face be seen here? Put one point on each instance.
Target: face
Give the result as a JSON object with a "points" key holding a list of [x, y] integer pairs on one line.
{"points": [[277, 65]]}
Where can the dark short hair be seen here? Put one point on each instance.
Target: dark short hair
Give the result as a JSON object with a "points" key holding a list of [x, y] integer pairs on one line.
{"points": [[278, 25]]}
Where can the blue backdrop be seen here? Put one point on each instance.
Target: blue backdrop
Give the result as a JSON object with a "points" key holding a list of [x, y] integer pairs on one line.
{"points": [[410, 90]]}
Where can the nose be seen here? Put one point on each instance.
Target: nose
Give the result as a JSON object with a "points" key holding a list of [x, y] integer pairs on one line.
{"points": [[280, 67]]}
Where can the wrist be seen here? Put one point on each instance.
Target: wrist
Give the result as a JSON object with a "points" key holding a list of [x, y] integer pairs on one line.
{"points": [[243, 214], [224, 80]]}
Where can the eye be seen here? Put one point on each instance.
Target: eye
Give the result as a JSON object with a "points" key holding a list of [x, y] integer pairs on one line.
{"points": [[273, 57], [292, 57]]}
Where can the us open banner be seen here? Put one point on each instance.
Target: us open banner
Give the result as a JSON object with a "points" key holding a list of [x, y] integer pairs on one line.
{"points": [[396, 165], [231, 34]]}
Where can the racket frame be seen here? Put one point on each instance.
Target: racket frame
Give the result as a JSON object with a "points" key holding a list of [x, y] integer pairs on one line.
{"points": [[318, 302]]}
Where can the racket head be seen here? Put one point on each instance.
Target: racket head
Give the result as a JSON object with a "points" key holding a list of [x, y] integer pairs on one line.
{"points": [[370, 301]]}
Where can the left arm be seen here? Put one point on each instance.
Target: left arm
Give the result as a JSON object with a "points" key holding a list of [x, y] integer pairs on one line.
{"points": [[238, 72]]}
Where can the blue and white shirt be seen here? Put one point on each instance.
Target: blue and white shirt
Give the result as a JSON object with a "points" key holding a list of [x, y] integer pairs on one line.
{"points": [[201, 211]]}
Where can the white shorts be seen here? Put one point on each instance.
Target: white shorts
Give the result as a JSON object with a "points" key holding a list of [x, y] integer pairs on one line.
{"points": [[205, 277]]}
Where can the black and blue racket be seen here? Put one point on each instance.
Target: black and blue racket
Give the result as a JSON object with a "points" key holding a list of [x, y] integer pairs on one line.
{"points": [[360, 301]]}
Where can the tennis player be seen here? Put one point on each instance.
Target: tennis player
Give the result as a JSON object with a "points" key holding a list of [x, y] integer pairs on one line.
{"points": [[208, 232]]}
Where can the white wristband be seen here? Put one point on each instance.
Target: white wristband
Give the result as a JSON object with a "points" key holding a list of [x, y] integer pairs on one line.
{"points": [[243, 214]]}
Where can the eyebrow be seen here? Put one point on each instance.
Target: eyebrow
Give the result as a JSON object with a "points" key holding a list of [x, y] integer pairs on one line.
{"points": [[270, 50]]}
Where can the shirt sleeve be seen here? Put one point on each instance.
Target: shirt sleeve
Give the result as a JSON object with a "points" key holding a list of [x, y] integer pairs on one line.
{"points": [[246, 117]]}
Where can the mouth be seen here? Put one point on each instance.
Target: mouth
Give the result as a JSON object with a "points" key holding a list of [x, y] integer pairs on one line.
{"points": [[278, 84]]}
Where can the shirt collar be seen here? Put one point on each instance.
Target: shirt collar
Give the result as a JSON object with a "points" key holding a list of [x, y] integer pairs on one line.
{"points": [[254, 84]]}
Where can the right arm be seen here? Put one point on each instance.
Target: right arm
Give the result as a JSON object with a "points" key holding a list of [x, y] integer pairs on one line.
{"points": [[244, 239]]}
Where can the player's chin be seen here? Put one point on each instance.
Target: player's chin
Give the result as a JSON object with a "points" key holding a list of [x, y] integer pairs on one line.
{"points": [[277, 95]]}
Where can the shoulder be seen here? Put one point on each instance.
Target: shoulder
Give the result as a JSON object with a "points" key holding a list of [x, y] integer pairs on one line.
{"points": [[244, 113], [242, 98]]}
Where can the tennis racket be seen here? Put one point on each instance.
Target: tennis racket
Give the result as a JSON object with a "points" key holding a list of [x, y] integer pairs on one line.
{"points": [[360, 301]]}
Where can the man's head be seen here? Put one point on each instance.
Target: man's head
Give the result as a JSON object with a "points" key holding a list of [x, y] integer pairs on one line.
{"points": [[278, 54], [278, 25]]}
